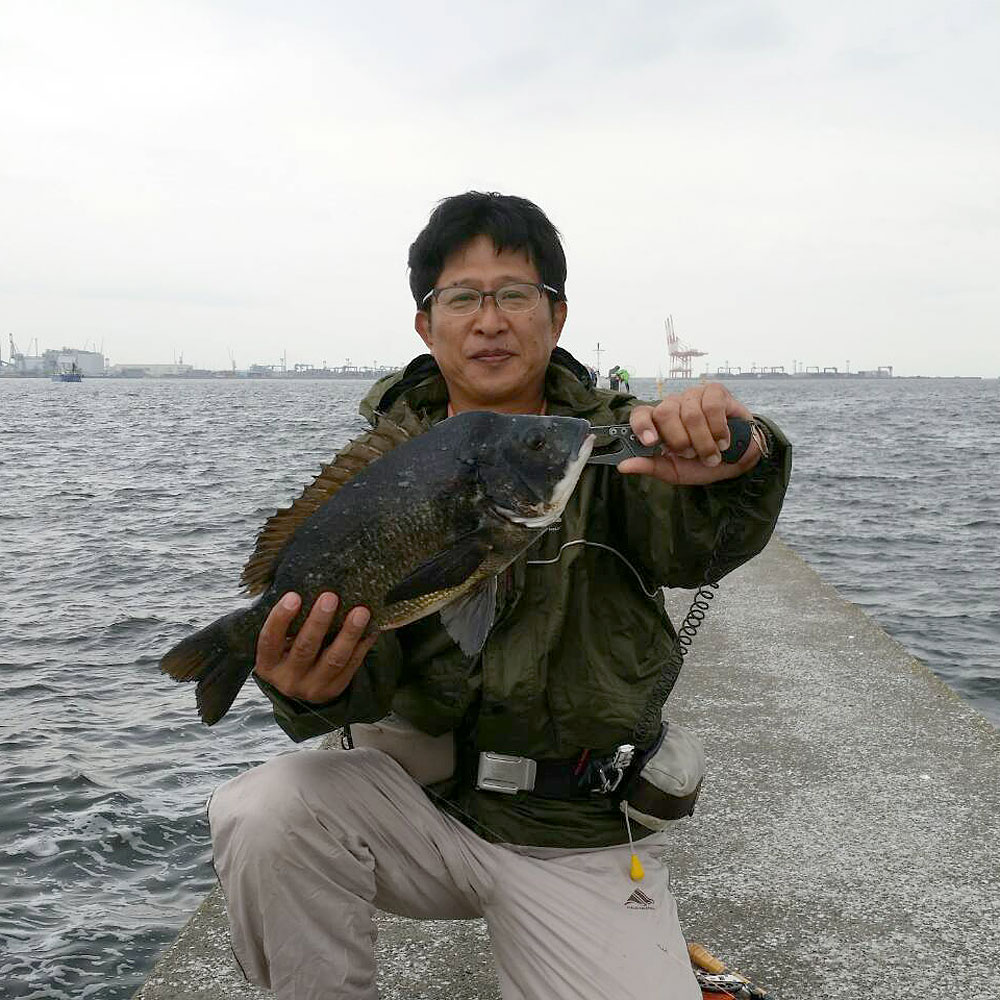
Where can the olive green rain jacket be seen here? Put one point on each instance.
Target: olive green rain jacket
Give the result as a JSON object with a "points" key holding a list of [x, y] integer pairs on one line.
{"points": [[579, 654]]}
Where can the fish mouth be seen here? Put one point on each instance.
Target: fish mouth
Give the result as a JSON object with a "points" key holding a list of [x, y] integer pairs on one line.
{"points": [[552, 511]]}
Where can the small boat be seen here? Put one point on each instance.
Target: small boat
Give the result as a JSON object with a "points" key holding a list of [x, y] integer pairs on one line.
{"points": [[72, 375]]}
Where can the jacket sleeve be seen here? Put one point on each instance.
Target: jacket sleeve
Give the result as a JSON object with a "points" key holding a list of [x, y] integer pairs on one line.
{"points": [[367, 698], [684, 536]]}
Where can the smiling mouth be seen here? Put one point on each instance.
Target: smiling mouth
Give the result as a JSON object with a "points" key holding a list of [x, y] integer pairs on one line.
{"points": [[492, 356]]}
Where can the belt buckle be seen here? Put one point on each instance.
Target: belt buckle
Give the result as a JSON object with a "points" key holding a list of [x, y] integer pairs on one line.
{"points": [[499, 772]]}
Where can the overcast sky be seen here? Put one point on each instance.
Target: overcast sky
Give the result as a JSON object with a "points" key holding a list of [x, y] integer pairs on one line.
{"points": [[794, 182]]}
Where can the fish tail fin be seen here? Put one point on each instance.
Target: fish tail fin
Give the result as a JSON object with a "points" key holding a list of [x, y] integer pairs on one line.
{"points": [[219, 657]]}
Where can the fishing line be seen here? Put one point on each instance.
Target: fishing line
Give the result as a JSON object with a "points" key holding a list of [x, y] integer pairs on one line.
{"points": [[651, 594], [686, 633]]}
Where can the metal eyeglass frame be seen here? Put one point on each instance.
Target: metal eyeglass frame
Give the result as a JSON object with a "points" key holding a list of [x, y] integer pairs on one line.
{"points": [[435, 292]]}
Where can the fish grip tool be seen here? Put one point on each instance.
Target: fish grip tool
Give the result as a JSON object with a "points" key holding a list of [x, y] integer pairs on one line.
{"points": [[623, 443], [649, 792], [742, 432]]}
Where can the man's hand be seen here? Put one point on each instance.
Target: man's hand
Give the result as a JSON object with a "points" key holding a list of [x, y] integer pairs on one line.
{"points": [[300, 668], [691, 426]]}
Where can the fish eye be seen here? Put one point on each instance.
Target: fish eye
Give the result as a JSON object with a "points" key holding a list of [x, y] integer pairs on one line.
{"points": [[534, 438]]}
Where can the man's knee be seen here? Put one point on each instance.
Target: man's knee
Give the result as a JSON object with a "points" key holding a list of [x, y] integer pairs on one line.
{"points": [[260, 805], [266, 806]]}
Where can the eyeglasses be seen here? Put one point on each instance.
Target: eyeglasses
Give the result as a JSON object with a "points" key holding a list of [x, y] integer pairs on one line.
{"points": [[519, 297]]}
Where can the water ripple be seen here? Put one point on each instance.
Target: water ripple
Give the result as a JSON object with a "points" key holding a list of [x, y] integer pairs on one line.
{"points": [[130, 509]]}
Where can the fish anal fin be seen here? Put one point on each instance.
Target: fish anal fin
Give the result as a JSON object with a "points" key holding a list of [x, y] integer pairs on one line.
{"points": [[278, 530], [443, 571]]}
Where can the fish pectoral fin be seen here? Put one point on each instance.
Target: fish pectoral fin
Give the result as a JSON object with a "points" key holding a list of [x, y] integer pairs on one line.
{"points": [[469, 619], [443, 571]]}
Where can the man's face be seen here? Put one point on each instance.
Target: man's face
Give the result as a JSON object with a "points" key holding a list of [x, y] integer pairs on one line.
{"points": [[491, 359]]}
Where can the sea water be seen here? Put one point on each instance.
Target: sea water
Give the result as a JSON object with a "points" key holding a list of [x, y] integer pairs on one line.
{"points": [[127, 509]]}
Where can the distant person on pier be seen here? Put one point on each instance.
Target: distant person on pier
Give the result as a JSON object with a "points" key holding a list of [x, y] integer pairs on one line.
{"points": [[623, 378], [613, 378]]}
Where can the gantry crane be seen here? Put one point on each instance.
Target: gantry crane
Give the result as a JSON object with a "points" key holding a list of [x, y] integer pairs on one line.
{"points": [[680, 354], [14, 354]]}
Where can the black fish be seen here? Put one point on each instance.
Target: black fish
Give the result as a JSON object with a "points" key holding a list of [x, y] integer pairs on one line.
{"points": [[404, 525]]}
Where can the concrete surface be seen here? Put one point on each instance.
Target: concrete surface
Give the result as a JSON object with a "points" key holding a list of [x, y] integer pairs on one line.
{"points": [[845, 844]]}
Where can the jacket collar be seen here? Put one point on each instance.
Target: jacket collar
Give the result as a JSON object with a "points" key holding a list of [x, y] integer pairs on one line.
{"points": [[421, 388]]}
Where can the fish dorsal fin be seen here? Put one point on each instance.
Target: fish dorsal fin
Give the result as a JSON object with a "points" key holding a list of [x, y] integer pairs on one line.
{"points": [[356, 455]]}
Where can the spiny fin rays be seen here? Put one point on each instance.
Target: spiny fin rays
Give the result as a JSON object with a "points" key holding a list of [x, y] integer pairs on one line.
{"points": [[356, 455]]}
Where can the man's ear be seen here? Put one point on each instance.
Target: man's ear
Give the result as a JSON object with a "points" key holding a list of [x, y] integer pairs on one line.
{"points": [[422, 324], [559, 311]]}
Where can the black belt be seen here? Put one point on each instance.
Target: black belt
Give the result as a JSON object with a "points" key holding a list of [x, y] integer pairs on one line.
{"points": [[578, 778]]}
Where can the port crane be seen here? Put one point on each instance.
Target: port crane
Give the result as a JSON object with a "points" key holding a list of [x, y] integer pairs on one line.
{"points": [[14, 353], [680, 353]]}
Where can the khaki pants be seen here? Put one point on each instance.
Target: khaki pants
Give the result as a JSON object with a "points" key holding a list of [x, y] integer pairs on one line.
{"points": [[309, 845]]}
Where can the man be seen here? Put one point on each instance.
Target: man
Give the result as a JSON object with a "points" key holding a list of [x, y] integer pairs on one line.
{"points": [[309, 845]]}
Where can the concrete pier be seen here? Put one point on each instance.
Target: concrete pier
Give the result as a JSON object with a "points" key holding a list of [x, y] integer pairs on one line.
{"points": [[845, 843]]}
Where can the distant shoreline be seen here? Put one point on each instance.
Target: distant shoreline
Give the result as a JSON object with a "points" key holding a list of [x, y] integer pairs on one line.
{"points": [[321, 376], [810, 376], [224, 376]]}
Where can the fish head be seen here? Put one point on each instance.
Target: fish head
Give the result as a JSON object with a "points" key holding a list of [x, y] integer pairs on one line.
{"points": [[528, 466]]}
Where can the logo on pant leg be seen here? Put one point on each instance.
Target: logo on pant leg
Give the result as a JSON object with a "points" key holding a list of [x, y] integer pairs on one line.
{"points": [[640, 901]]}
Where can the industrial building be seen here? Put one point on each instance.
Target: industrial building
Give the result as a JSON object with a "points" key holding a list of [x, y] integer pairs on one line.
{"points": [[51, 362]]}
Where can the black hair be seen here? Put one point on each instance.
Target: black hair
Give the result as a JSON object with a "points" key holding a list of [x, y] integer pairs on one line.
{"points": [[512, 223]]}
